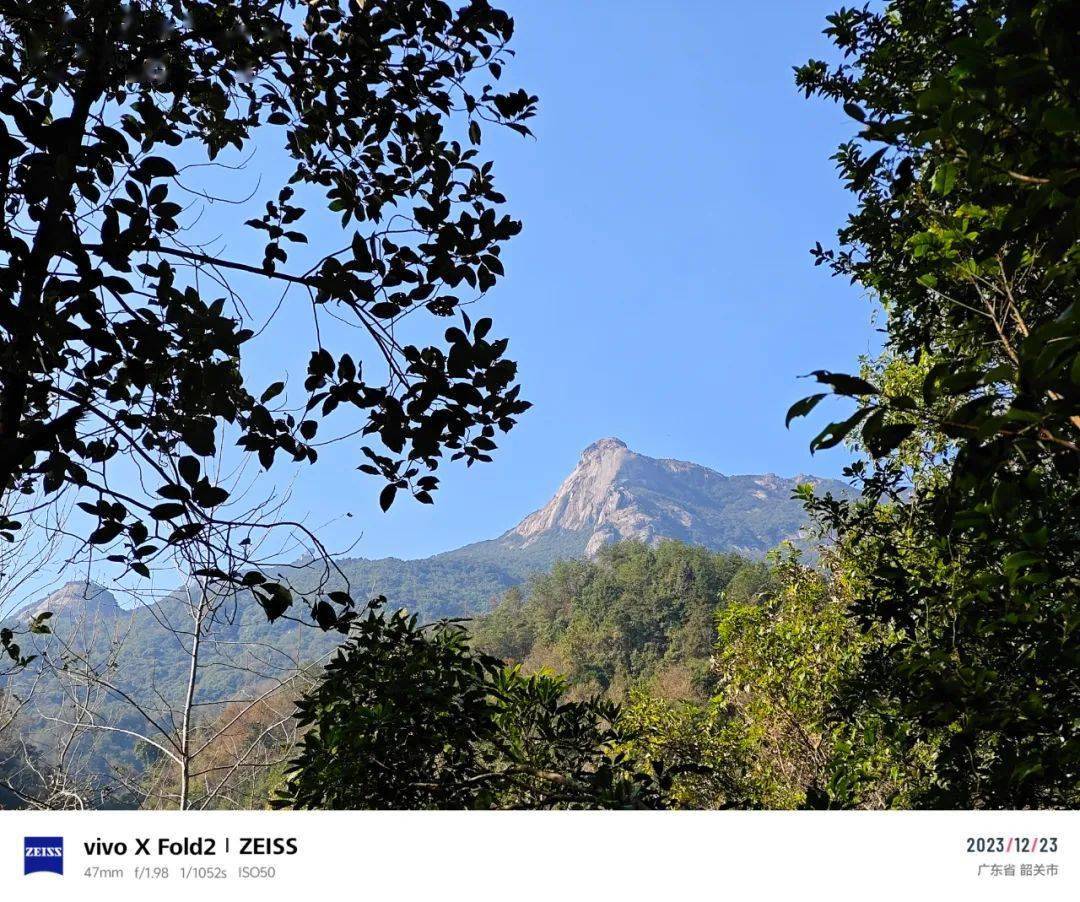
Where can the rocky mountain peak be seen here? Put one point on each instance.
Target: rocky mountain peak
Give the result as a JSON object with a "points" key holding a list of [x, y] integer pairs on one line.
{"points": [[588, 497], [74, 599], [615, 493], [604, 447]]}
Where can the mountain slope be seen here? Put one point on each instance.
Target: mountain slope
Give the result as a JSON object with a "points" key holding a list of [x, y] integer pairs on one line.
{"points": [[615, 493], [612, 494]]}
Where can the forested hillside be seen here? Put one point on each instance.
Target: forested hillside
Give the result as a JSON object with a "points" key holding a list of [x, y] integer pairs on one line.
{"points": [[658, 634], [607, 616], [634, 616]]}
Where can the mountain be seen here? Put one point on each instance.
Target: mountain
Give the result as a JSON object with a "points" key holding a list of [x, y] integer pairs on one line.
{"points": [[615, 493], [77, 599], [612, 494]]}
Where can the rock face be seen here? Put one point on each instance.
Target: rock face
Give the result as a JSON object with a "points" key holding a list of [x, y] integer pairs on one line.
{"points": [[75, 600], [590, 498], [615, 493]]}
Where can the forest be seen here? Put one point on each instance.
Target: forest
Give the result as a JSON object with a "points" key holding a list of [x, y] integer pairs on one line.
{"points": [[920, 652]]}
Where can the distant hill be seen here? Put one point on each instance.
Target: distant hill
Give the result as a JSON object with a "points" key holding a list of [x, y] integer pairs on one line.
{"points": [[612, 494], [78, 599]]}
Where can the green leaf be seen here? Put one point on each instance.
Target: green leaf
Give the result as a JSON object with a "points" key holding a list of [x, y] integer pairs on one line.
{"points": [[843, 384], [855, 111], [944, 178], [802, 407], [833, 434]]}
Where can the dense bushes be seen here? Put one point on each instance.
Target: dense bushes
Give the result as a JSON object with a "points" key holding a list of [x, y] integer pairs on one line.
{"points": [[634, 616], [408, 717]]}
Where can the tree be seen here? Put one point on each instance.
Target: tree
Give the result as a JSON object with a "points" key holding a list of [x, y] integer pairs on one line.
{"points": [[45, 771], [206, 725], [635, 615], [766, 738], [125, 323], [781, 661], [410, 717], [965, 540], [242, 755]]}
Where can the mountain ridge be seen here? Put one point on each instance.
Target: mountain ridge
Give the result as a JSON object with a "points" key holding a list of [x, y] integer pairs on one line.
{"points": [[619, 494], [613, 493]]}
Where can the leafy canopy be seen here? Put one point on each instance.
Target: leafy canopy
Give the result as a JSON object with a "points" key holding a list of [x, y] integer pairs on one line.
{"points": [[411, 717], [124, 323], [632, 616], [964, 170]]}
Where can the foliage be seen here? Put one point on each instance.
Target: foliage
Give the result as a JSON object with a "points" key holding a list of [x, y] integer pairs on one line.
{"points": [[780, 663], [689, 739], [123, 328], [766, 738], [633, 615], [246, 746], [964, 545], [38, 625], [408, 717]]}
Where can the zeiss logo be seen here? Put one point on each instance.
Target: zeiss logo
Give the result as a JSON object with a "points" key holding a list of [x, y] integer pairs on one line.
{"points": [[43, 853]]}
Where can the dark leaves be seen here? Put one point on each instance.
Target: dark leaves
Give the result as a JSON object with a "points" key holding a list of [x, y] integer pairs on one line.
{"points": [[189, 469], [154, 167], [167, 511], [802, 407], [843, 384], [123, 317], [274, 599], [833, 434], [105, 533], [272, 392]]}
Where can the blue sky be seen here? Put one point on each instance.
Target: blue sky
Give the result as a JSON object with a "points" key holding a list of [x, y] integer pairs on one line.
{"points": [[662, 290]]}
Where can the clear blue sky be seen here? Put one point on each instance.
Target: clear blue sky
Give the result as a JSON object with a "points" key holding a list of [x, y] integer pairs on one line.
{"points": [[662, 290]]}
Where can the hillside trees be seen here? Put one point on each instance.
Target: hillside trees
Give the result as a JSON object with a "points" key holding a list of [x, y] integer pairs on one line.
{"points": [[964, 542], [211, 709], [410, 717], [769, 646], [243, 748], [127, 324], [632, 616], [781, 661]]}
